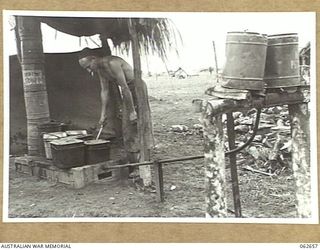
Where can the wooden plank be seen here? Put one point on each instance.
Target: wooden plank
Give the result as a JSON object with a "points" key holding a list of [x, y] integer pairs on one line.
{"points": [[221, 106], [282, 98]]}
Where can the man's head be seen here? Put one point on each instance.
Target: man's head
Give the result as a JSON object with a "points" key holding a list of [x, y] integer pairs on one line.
{"points": [[88, 58]]}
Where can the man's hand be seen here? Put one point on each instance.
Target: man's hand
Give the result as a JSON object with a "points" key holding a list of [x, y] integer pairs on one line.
{"points": [[133, 116], [103, 121]]}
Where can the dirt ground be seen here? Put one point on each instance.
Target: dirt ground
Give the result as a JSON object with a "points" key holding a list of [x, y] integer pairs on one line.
{"points": [[171, 103]]}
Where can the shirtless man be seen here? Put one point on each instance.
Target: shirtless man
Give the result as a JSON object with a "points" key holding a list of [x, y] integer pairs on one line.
{"points": [[110, 69], [114, 72]]}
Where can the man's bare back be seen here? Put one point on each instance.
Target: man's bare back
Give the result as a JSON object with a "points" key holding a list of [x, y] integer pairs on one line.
{"points": [[111, 65], [111, 69]]}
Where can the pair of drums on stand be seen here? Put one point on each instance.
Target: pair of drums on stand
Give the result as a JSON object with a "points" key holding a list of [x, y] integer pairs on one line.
{"points": [[255, 61]]}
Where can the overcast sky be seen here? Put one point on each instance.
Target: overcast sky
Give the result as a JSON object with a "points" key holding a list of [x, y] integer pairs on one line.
{"points": [[198, 30]]}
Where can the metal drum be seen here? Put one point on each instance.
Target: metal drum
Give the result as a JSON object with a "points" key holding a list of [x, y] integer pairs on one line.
{"points": [[245, 61], [282, 63]]}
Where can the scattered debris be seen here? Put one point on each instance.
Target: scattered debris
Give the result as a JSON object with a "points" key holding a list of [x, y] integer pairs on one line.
{"points": [[258, 138], [266, 142], [253, 151], [197, 126], [160, 146], [198, 129], [179, 128], [282, 129], [287, 145], [237, 114], [173, 187], [257, 171], [271, 147], [244, 121], [241, 128]]}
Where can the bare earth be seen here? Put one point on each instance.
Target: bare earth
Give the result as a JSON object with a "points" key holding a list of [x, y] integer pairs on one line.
{"points": [[261, 196]]}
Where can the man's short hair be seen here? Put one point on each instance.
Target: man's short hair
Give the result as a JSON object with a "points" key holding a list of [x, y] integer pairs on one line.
{"points": [[98, 52]]}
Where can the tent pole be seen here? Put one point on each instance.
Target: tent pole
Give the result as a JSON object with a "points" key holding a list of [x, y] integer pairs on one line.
{"points": [[144, 113]]}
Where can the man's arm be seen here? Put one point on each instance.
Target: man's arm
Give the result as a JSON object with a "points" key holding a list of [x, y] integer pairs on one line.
{"points": [[104, 94]]}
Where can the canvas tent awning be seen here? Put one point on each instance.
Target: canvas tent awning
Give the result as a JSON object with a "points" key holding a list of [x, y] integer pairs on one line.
{"points": [[154, 34], [88, 26]]}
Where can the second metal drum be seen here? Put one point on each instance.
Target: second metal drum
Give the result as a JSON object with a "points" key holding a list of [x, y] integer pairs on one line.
{"points": [[282, 63]]}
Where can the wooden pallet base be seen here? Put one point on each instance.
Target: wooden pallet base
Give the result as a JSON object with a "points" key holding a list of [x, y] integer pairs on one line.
{"points": [[78, 177]]}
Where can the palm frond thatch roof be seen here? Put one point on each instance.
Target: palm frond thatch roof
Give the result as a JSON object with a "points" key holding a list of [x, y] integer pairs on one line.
{"points": [[155, 35]]}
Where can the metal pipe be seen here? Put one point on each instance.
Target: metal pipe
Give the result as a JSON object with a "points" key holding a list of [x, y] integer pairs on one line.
{"points": [[187, 158], [255, 129], [233, 165], [160, 161]]}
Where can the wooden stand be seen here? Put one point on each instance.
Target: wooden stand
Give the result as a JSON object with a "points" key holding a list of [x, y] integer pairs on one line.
{"points": [[212, 111]]}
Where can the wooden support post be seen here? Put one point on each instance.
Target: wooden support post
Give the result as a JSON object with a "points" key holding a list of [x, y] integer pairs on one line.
{"points": [[214, 160], [124, 173], [144, 113], [300, 132], [158, 175], [34, 83], [233, 165]]}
